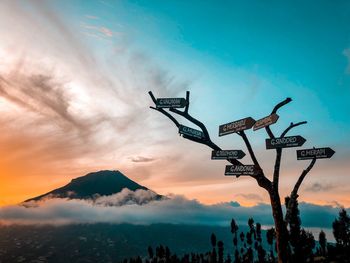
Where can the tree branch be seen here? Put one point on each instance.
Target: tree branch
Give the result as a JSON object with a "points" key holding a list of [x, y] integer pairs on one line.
{"points": [[281, 104], [163, 111], [276, 171], [260, 177], [206, 140], [275, 109], [250, 149], [291, 126], [294, 194]]}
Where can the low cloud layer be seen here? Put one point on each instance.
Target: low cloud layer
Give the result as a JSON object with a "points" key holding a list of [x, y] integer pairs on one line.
{"points": [[140, 207]]}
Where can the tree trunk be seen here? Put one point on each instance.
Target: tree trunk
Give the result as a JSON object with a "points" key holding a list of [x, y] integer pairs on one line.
{"points": [[280, 226]]}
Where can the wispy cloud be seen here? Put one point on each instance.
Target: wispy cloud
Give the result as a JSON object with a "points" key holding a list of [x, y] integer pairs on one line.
{"points": [[318, 187], [136, 208], [92, 17], [251, 197], [142, 159], [64, 110], [346, 53]]}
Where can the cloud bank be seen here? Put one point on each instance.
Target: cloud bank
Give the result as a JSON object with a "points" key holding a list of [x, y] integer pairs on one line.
{"points": [[141, 208]]}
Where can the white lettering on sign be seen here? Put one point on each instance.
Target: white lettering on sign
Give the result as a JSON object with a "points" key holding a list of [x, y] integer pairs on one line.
{"points": [[284, 140], [242, 168], [191, 132], [234, 125], [226, 153], [170, 101], [264, 121], [313, 152]]}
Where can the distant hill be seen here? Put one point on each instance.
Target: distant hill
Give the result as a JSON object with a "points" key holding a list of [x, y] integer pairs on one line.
{"points": [[102, 183]]}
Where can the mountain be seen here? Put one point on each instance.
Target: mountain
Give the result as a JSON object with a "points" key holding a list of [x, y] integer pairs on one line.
{"points": [[102, 183]]}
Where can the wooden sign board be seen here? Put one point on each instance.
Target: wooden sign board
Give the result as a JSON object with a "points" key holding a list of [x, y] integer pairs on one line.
{"points": [[271, 119], [239, 170], [171, 103], [236, 126], [318, 153], [285, 142], [227, 154], [191, 132]]}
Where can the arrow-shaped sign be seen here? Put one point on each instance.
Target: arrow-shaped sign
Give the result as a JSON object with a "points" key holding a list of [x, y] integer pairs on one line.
{"points": [[318, 153], [171, 103], [285, 142], [271, 119], [240, 170], [236, 126], [227, 154], [191, 132]]}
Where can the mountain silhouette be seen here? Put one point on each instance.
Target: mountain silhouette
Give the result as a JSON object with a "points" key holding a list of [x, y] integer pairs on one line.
{"points": [[94, 184]]}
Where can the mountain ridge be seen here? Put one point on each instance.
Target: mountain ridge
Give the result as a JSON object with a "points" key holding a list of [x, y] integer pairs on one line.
{"points": [[91, 185]]}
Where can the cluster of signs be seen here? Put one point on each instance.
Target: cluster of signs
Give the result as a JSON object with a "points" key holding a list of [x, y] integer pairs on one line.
{"points": [[241, 125]]}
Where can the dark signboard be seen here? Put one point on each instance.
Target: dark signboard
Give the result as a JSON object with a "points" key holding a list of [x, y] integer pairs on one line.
{"points": [[227, 154], [191, 132], [171, 103], [271, 119], [236, 126], [285, 142], [318, 153], [240, 170]]}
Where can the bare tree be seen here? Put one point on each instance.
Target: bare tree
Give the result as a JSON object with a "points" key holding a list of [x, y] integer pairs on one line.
{"points": [[272, 187]]}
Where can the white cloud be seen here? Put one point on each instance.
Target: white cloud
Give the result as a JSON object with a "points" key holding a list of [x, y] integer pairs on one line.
{"points": [[137, 208]]}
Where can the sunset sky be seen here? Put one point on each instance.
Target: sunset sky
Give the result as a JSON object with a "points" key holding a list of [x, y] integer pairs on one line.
{"points": [[75, 76]]}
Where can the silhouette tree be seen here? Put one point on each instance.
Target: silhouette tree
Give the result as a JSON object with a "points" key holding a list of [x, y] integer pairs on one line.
{"points": [[341, 229], [323, 243], [234, 230], [221, 252], [271, 186], [213, 244], [150, 252], [270, 236]]}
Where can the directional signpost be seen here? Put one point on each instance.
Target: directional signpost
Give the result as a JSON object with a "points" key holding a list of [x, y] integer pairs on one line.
{"points": [[236, 126], [271, 119], [318, 153], [239, 170], [191, 132], [285, 142], [171, 103], [227, 154]]}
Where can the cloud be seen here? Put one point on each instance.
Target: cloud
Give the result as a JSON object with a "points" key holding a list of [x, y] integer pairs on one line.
{"points": [[346, 53], [140, 208], [142, 159], [251, 196], [66, 110], [317, 187], [91, 17]]}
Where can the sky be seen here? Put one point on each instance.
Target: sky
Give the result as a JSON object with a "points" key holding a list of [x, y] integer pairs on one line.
{"points": [[75, 76]]}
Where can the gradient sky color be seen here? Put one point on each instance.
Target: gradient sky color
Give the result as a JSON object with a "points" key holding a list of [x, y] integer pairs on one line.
{"points": [[74, 77]]}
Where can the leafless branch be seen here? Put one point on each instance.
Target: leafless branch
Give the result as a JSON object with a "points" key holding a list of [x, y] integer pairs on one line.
{"points": [[276, 171], [206, 140], [294, 194], [275, 109], [250, 149], [281, 104], [162, 110], [291, 126]]}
